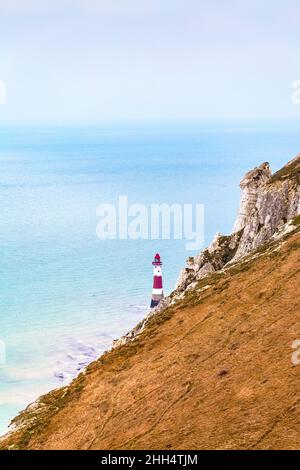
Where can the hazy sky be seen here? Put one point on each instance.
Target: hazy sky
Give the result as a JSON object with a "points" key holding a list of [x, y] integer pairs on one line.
{"points": [[89, 61]]}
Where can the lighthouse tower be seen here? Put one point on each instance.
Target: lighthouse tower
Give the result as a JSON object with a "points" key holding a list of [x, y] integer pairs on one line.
{"points": [[157, 292]]}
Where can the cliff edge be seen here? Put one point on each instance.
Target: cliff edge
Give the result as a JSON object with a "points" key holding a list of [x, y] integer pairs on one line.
{"points": [[211, 368], [268, 202]]}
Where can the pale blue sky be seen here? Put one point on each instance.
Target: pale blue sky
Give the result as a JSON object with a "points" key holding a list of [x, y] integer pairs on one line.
{"points": [[89, 61]]}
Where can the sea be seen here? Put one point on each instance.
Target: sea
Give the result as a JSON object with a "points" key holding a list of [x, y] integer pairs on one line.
{"points": [[65, 294]]}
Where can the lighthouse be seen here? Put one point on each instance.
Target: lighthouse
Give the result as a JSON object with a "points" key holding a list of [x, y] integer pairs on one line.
{"points": [[157, 292]]}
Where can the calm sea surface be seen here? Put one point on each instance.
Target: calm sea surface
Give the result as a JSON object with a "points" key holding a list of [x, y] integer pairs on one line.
{"points": [[64, 294]]}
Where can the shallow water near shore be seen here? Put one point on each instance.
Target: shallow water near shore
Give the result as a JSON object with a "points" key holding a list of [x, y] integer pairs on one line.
{"points": [[64, 294]]}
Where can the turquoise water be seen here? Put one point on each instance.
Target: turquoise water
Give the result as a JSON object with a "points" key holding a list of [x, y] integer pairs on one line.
{"points": [[64, 294]]}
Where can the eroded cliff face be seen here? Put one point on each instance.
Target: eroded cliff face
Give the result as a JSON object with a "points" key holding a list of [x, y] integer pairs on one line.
{"points": [[220, 344], [268, 202], [213, 371], [251, 186]]}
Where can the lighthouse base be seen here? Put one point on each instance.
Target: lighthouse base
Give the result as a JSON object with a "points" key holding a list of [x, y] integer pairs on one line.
{"points": [[155, 300]]}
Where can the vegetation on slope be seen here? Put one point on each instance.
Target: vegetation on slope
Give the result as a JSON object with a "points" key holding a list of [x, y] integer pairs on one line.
{"points": [[212, 371], [290, 171]]}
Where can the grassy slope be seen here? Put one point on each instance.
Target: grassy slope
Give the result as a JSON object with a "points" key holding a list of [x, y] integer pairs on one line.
{"points": [[289, 171], [213, 372]]}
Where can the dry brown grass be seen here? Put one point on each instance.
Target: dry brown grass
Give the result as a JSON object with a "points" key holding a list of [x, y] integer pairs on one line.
{"points": [[212, 373]]}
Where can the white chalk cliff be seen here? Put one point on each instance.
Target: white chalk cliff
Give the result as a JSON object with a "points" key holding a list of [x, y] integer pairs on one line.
{"points": [[268, 210], [268, 202]]}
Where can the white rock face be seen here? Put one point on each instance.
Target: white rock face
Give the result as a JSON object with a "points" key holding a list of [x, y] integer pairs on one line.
{"points": [[219, 253], [251, 186], [267, 203]]}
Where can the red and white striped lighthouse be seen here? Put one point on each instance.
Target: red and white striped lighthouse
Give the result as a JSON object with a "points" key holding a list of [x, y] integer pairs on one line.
{"points": [[157, 292]]}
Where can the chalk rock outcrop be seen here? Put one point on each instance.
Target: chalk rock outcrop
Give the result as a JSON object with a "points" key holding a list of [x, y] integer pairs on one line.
{"points": [[251, 186], [267, 203], [214, 258]]}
